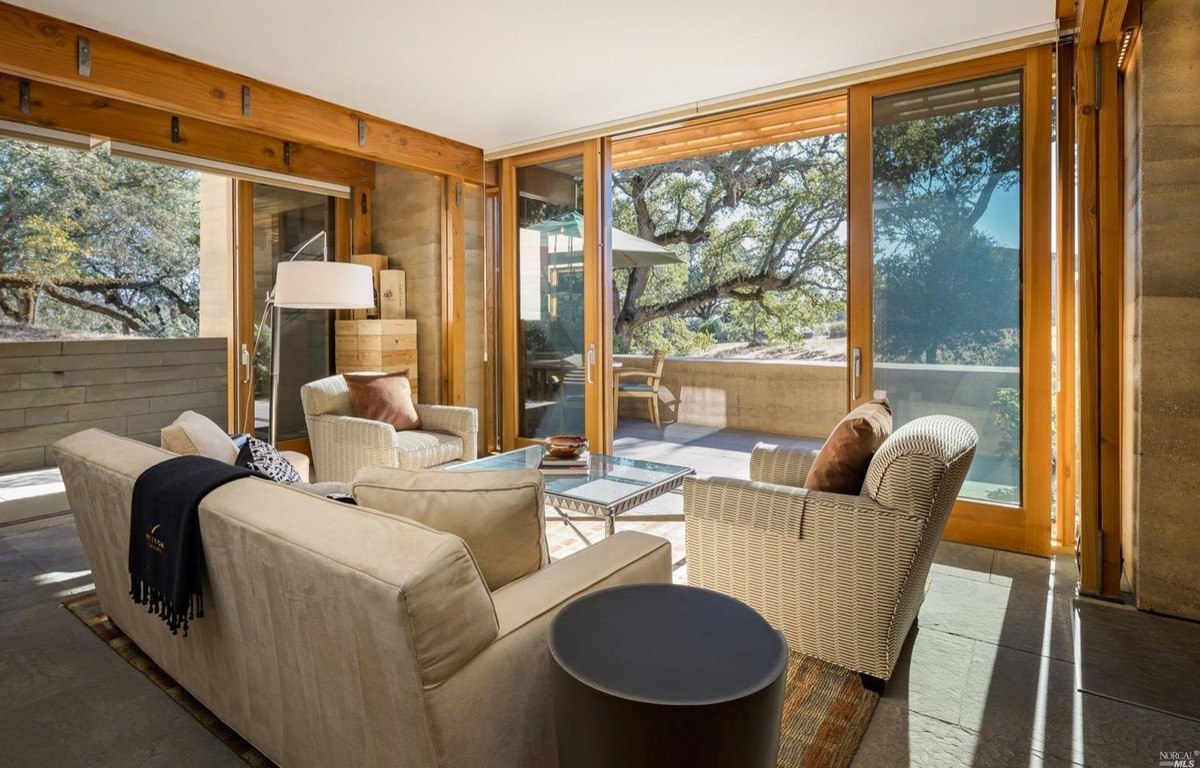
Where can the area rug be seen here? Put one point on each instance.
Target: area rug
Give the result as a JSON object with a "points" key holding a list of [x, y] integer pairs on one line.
{"points": [[825, 710]]}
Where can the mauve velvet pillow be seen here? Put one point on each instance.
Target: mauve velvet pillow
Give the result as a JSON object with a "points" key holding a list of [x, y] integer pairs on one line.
{"points": [[385, 397], [841, 466]]}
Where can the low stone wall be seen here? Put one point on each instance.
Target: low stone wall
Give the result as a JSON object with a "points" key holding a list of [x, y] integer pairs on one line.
{"points": [[51, 389], [801, 398]]}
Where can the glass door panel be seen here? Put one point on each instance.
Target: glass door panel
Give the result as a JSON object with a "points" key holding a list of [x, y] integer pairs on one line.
{"points": [[286, 224], [946, 266], [555, 266], [550, 316]]}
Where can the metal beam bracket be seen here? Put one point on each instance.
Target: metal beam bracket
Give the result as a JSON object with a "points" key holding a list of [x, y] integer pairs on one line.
{"points": [[176, 136], [245, 101], [85, 57], [362, 133], [26, 98], [287, 153]]}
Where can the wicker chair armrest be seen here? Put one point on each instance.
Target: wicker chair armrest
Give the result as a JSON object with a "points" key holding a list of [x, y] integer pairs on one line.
{"points": [[779, 465], [454, 420], [350, 430], [780, 509], [777, 509]]}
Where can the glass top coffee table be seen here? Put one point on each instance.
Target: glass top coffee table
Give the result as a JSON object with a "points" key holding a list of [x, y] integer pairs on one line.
{"points": [[611, 486]]}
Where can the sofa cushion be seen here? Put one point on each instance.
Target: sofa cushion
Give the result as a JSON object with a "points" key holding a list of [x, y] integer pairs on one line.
{"points": [[195, 435], [842, 463], [420, 449], [385, 397], [500, 514]]}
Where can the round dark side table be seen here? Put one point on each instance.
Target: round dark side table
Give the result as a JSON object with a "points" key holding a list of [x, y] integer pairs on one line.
{"points": [[666, 675]]}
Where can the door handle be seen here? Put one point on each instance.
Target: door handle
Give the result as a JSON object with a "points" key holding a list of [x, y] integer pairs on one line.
{"points": [[591, 363], [245, 360], [857, 372]]}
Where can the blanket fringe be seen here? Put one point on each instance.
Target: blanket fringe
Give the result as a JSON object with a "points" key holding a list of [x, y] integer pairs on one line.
{"points": [[175, 618]]}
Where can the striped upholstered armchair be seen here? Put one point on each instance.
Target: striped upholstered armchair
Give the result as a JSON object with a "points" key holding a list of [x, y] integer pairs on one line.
{"points": [[342, 444], [841, 576]]}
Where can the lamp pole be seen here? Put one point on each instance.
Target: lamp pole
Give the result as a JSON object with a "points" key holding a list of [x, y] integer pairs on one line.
{"points": [[276, 322]]}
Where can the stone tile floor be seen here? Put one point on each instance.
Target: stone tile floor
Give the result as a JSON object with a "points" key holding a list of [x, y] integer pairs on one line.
{"points": [[987, 678]]}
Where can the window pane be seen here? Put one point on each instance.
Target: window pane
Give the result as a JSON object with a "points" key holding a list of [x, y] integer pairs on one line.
{"points": [[550, 304], [285, 220], [947, 266]]}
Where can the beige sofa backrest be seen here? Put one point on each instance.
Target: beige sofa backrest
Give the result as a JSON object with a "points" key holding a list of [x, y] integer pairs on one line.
{"points": [[323, 621]]}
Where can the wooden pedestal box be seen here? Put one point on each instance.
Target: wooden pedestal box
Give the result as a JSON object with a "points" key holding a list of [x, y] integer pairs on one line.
{"points": [[377, 345]]}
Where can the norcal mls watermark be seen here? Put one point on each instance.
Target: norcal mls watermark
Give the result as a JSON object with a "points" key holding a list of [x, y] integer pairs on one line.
{"points": [[1179, 759]]}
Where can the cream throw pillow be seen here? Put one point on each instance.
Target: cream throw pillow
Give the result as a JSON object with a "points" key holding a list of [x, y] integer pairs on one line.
{"points": [[194, 435], [500, 514]]}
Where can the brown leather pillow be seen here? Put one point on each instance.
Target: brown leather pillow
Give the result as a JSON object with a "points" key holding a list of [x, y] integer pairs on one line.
{"points": [[841, 466], [385, 397]]}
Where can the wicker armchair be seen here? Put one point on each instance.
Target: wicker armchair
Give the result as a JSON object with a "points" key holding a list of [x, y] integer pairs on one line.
{"points": [[342, 444], [841, 576]]}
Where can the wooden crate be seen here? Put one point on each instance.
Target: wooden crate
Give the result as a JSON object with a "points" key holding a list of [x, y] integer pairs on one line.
{"points": [[377, 345], [392, 304], [377, 263]]}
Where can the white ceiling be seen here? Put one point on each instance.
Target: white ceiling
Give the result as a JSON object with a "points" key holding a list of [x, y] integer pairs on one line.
{"points": [[496, 74]]}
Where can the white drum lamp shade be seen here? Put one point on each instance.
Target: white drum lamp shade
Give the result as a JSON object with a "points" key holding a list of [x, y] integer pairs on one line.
{"points": [[323, 285]]}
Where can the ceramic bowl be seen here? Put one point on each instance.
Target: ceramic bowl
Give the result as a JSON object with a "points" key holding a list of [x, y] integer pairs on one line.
{"points": [[566, 446]]}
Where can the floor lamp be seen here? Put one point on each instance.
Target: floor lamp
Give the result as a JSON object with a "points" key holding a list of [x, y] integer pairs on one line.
{"points": [[313, 285]]}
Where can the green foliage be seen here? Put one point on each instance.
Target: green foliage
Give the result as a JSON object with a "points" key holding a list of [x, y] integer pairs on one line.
{"points": [[1006, 418], [945, 290], [761, 234], [96, 244]]}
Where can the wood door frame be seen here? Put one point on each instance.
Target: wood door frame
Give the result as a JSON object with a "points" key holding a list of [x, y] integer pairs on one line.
{"points": [[241, 418], [597, 266], [1024, 528]]}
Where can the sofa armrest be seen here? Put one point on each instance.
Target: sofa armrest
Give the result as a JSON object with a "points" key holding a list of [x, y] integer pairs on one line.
{"points": [[454, 420], [628, 557], [300, 462], [507, 689], [779, 465]]}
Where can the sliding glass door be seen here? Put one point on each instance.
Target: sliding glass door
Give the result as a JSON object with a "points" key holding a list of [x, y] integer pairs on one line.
{"points": [[277, 224], [555, 356], [950, 274]]}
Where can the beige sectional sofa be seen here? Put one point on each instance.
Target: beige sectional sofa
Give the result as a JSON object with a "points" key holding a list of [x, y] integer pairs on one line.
{"points": [[343, 635]]}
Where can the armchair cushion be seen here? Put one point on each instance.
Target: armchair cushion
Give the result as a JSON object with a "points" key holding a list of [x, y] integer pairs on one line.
{"points": [[841, 465], [419, 449], [499, 514], [385, 397]]}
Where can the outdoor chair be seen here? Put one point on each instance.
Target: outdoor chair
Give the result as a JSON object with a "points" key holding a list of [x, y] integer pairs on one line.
{"points": [[647, 385], [842, 576]]}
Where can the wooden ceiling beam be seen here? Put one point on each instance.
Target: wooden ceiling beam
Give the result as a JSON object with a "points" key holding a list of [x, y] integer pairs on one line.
{"points": [[66, 109], [46, 49]]}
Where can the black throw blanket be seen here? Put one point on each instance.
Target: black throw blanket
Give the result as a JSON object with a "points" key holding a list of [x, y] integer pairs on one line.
{"points": [[165, 554]]}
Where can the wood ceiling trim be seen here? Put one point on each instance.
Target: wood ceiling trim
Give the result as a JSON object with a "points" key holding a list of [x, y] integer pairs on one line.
{"points": [[43, 48], [815, 116]]}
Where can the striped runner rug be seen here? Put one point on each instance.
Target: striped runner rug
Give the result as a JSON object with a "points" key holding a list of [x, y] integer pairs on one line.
{"points": [[825, 710]]}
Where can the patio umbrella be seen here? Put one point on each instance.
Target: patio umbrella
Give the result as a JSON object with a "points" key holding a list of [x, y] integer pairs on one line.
{"points": [[564, 236]]}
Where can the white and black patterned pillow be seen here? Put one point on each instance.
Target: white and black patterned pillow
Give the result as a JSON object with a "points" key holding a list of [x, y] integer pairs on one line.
{"points": [[265, 459]]}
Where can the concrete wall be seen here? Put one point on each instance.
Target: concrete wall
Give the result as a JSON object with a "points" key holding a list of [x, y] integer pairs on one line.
{"points": [[1167, 348], [789, 398], [51, 389], [475, 206], [406, 226]]}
